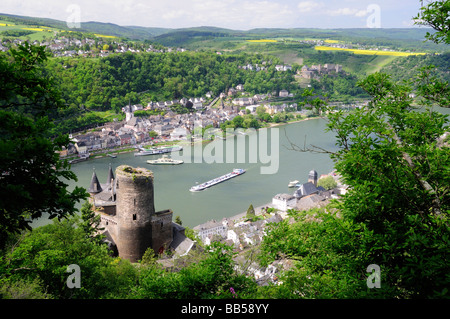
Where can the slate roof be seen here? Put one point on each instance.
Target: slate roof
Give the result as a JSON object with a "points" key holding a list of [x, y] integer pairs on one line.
{"points": [[110, 176], [305, 190], [95, 186]]}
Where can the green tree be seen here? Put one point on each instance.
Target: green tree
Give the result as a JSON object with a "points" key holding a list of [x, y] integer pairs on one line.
{"points": [[436, 15], [250, 212], [153, 134], [33, 178], [91, 223], [40, 259], [237, 121], [211, 277], [327, 182], [395, 214], [391, 159]]}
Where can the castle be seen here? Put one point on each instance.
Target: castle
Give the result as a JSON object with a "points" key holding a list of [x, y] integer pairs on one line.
{"points": [[125, 204]]}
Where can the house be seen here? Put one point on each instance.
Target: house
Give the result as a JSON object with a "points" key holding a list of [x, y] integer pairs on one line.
{"points": [[233, 236], [240, 87], [231, 91], [252, 108], [133, 124], [126, 139], [112, 141], [197, 104], [243, 101], [179, 133], [259, 97], [140, 137], [163, 129], [284, 93], [160, 105], [310, 201], [207, 230], [284, 201], [283, 67], [180, 243]]}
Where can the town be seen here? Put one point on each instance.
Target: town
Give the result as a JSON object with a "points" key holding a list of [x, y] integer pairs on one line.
{"points": [[64, 44], [205, 112]]}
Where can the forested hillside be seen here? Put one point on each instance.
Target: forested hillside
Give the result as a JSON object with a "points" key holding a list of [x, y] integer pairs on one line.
{"points": [[407, 67]]}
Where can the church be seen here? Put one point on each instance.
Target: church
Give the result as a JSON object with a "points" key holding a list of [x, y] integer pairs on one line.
{"points": [[131, 225]]}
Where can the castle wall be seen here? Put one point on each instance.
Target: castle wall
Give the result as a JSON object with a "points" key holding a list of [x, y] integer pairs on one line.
{"points": [[162, 232]]}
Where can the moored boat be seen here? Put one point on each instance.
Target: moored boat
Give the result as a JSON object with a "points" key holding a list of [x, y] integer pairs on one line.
{"points": [[293, 183], [157, 150]]}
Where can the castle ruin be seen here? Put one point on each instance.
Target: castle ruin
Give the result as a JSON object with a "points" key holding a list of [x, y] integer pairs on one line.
{"points": [[125, 204]]}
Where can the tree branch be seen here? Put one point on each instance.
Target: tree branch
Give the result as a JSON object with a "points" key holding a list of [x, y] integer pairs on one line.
{"points": [[425, 185], [315, 149]]}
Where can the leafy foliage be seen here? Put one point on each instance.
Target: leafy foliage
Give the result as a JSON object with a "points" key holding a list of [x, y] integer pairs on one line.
{"points": [[44, 254], [436, 15], [210, 278], [327, 182], [33, 179], [96, 82], [395, 213]]}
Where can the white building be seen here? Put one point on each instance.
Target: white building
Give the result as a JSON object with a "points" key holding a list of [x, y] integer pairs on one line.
{"points": [[207, 230], [284, 201], [179, 133], [284, 93]]}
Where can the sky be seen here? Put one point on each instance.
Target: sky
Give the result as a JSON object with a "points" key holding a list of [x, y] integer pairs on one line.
{"points": [[230, 14]]}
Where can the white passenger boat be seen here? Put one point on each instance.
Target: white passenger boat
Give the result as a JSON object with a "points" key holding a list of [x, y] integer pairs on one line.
{"points": [[165, 160]]}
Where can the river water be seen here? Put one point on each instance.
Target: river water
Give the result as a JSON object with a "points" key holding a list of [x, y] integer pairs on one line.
{"points": [[172, 183]]}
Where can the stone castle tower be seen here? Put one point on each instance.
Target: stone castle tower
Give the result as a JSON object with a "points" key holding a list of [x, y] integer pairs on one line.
{"points": [[126, 206]]}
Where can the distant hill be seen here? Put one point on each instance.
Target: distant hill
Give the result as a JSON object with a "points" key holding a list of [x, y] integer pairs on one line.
{"points": [[184, 37], [130, 32], [403, 37]]}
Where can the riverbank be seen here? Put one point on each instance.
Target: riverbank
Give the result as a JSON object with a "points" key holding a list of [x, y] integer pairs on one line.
{"points": [[123, 150], [293, 121]]}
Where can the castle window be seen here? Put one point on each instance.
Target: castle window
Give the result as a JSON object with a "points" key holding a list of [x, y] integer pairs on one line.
{"points": [[134, 216]]}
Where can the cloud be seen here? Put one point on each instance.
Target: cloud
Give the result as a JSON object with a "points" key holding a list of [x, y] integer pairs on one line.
{"points": [[230, 14], [347, 12], [308, 6]]}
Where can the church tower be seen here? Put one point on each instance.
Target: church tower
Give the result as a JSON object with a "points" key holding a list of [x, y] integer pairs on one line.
{"points": [[313, 177]]}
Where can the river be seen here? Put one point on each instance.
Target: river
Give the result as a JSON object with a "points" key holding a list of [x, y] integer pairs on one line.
{"points": [[172, 183]]}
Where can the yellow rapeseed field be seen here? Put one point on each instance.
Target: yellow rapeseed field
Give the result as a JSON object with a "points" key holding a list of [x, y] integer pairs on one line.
{"points": [[331, 41], [368, 52], [105, 36], [34, 29], [262, 40]]}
